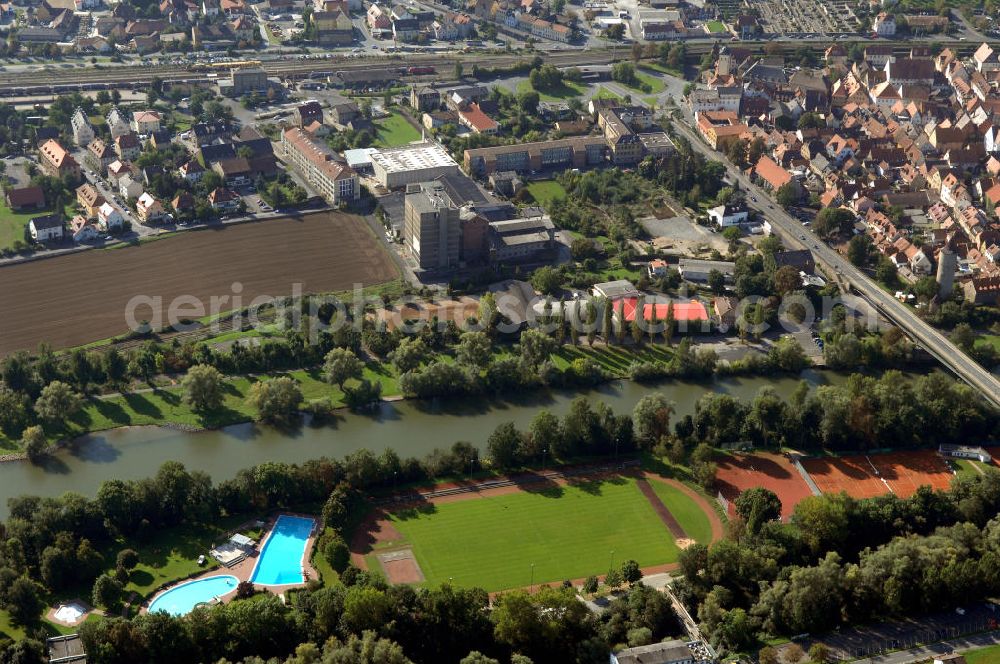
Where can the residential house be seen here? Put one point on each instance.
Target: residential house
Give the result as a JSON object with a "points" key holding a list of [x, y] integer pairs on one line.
{"points": [[146, 122], [82, 229], [884, 25], [89, 199], [307, 113], [725, 216], [235, 172], [128, 146], [83, 132], [47, 228], [109, 218], [343, 113], [183, 202], [424, 98], [99, 155], [191, 171], [223, 200], [57, 161], [333, 28], [148, 209], [20, 199], [117, 170], [986, 58], [118, 122], [129, 188]]}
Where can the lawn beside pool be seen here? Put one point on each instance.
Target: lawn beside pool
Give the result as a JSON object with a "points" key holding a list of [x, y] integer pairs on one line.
{"points": [[395, 130], [546, 191], [564, 532]]}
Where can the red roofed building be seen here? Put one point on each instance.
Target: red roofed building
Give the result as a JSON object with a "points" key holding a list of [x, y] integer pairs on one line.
{"points": [[772, 175], [480, 123], [26, 198], [687, 311]]}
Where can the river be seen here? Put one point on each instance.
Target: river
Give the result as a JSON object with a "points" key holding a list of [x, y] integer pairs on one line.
{"points": [[412, 428]]}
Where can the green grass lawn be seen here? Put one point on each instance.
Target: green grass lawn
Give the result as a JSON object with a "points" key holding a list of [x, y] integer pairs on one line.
{"points": [[565, 532], [651, 79], [989, 655], [691, 517], [964, 467], [989, 339], [604, 93], [568, 90], [546, 191], [12, 225], [715, 26], [395, 130], [663, 69], [167, 405]]}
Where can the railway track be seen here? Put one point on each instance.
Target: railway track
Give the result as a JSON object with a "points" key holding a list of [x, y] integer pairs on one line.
{"points": [[53, 80]]}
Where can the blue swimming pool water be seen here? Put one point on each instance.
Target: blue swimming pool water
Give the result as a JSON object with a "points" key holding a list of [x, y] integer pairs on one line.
{"points": [[280, 561], [183, 598]]}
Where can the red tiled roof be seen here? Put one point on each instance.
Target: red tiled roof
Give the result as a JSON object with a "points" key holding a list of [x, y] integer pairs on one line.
{"points": [[686, 311]]}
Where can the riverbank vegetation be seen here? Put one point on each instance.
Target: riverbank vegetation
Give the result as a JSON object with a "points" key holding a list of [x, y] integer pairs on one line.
{"points": [[830, 541]]}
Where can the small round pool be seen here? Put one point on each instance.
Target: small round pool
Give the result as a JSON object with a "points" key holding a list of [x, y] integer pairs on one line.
{"points": [[181, 599]]}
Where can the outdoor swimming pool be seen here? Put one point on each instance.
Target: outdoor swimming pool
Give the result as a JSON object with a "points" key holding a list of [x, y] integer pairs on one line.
{"points": [[280, 561], [183, 598]]}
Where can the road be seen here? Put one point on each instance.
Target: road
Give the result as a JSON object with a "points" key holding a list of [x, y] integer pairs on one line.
{"points": [[903, 316]]}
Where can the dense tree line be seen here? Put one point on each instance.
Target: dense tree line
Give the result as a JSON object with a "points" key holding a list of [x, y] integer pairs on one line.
{"points": [[864, 413], [842, 560]]}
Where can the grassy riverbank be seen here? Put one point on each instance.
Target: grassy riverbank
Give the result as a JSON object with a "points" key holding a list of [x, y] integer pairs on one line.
{"points": [[164, 404]]}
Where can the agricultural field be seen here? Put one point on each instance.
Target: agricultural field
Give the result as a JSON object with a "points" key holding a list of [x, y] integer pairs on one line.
{"points": [[563, 531], [395, 130], [71, 300]]}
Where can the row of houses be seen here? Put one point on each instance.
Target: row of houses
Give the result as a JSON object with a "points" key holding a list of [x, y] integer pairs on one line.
{"points": [[910, 144]]}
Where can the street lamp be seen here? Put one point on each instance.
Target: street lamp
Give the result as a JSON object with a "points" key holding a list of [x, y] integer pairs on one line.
{"points": [[532, 591], [612, 565], [544, 450]]}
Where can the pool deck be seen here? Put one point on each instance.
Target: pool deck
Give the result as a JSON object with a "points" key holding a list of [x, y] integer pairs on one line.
{"points": [[243, 570], [50, 615]]}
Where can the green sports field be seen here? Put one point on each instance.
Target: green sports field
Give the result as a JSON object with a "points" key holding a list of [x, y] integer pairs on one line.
{"points": [[692, 518], [566, 532]]}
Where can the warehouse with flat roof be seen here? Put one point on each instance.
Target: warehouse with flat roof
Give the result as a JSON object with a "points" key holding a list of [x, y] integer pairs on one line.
{"points": [[418, 162]]}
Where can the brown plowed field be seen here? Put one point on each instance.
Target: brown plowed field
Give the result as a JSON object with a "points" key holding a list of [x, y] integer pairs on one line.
{"points": [[72, 300]]}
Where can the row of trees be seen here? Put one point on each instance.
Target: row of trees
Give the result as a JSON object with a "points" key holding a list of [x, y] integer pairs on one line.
{"points": [[841, 560], [863, 413]]}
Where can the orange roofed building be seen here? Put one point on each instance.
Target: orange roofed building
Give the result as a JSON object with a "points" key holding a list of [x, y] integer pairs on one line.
{"points": [[721, 127]]}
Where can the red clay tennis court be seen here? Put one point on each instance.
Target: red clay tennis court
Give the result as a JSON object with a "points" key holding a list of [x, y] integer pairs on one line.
{"points": [[738, 472], [877, 474]]}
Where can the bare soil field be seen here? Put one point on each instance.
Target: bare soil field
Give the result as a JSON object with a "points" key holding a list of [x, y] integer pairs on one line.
{"points": [[72, 300]]}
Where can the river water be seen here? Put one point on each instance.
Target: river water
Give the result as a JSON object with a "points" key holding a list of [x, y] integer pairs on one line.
{"points": [[412, 428]]}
